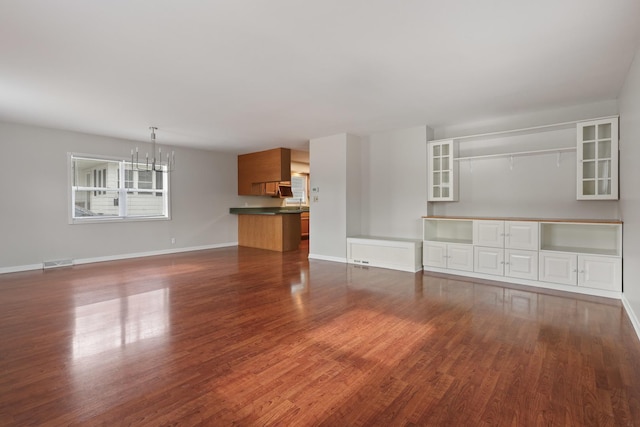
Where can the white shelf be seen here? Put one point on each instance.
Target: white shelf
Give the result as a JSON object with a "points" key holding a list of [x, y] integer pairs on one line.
{"points": [[448, 240], [593, 238], [579, 250], [448, 230], [553, 126], [519, 153]]}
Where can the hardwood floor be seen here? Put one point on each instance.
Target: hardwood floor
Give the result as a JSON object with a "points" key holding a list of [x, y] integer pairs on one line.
{"points": [[250, 337]]}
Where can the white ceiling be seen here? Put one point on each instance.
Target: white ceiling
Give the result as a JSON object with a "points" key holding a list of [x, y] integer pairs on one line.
{"points": [[240, 75]]}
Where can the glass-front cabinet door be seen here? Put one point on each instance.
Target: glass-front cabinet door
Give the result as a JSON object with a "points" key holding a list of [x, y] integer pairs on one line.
{"points": [[442, 171], [597, 160]]}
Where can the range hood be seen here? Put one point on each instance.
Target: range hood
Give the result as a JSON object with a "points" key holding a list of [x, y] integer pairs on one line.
{"points": [[284, 190]]}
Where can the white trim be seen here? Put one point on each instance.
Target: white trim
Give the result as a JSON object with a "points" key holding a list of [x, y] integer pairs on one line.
{"points": [[153, 253], [631, 314], [327, 258], [30, 267], [19, 268]]}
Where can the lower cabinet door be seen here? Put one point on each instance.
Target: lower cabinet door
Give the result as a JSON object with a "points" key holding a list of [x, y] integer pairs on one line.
{"points": [[599, 272], [460, 257], [521, 264], [558, 268], [488, 260], [434, 254]]}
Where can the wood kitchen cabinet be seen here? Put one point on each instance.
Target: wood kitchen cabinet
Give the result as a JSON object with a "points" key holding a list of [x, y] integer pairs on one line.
{"points": [[256, 170], [304, 224], [278, 232]]}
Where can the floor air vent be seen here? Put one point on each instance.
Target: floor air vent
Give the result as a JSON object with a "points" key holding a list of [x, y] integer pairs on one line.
{"points": [[58, 263]]}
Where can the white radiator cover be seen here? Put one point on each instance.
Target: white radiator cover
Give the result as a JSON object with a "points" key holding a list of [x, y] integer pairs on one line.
{"points": [[385, 252]]}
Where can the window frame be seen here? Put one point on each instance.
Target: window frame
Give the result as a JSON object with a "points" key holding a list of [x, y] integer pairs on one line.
{"points": [[305, 198], [121, 189]]}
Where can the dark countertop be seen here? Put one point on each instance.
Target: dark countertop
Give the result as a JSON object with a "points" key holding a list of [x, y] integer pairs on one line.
{"points": [[274, 210]]}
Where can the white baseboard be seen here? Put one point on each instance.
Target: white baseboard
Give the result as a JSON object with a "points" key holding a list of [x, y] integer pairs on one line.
{"points": [[327, 258], [39, 266], [529, 282], [631, 314], [19, 268]]}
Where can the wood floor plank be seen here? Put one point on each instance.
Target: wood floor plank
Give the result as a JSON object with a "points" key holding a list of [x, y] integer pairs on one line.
{"points": [[241, 336]]}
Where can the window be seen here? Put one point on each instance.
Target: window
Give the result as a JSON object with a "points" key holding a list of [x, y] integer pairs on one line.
{"points": [[159, 178], [299, 190], [103, 188]]}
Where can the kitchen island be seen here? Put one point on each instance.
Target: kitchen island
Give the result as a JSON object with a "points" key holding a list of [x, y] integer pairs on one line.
{"points": [[272, 228]]}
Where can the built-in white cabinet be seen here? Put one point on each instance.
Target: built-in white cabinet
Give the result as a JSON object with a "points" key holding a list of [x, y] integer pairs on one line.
{"points": [[558, 267], [521, 264], [448, 255], [521, 235], [385, 252], [597, 160], [506, 248], [599, 272], [581, 254], [585, 256], [506, 234], [506, 262], [591, 271], [442, 178], [488, 260], [448, 244], [488, 233]]}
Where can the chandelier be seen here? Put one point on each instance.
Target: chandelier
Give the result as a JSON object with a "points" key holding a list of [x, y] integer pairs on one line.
{"points": [[155, 162]]}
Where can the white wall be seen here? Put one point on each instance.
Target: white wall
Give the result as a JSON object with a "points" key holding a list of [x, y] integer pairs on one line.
{"points": [[394, 184], [34, 214], [536, 186], [328, 215], [354, 185], [630, 190]]}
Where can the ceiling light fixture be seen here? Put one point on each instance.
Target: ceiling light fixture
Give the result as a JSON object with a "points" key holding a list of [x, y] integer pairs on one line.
{"points": [[155, 162]]}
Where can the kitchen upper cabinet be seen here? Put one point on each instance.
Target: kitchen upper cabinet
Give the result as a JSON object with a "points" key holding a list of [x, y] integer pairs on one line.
{"points": [[597, 160], [442, 171], [255, 170]]}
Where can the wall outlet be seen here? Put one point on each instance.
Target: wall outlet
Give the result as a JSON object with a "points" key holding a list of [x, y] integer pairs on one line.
{"points": [[173, 240]]}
